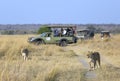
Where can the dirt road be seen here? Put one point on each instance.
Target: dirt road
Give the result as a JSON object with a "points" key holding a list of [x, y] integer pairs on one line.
{"points": [[82, 58], [88, 75]]}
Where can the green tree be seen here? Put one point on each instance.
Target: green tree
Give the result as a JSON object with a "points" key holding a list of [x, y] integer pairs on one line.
{"points": [[43, 29]]}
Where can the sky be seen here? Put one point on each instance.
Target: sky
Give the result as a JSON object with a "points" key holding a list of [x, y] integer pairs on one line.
{"points": [[59, 11]]}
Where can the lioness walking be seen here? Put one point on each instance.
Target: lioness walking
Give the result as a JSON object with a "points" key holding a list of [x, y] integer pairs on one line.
{"points": [[24, 52], [95, 59]]}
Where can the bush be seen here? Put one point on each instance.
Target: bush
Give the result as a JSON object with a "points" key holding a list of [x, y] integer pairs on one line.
{"points": [[43, 29]]}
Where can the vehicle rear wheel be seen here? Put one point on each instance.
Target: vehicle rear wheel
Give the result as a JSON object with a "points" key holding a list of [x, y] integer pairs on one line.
{"points": [[75, 39], [63, 43]]}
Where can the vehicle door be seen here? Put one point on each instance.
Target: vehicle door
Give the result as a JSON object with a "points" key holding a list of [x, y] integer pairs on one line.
{"points": [[49, 38]]}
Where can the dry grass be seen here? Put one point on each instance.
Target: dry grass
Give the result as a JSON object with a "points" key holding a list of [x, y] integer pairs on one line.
{"points": [[54, 63], [46, 62]]}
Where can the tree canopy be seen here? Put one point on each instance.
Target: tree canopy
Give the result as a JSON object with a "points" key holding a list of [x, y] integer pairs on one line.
{"points": [[43, 29]]}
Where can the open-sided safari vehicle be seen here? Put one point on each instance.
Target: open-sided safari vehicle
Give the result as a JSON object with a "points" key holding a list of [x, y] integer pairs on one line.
{"points": [[61, 35], [105, 34], [85, 34]]}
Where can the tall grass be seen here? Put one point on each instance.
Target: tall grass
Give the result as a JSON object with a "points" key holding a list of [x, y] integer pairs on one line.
{"points": [[54, 63], [45, 63]]}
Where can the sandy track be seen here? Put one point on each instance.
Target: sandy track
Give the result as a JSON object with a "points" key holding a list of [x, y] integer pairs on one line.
{"points": [[89, 75]]}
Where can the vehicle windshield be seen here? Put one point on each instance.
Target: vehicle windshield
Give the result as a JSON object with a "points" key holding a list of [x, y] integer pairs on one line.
{"points": [[43, 34]]}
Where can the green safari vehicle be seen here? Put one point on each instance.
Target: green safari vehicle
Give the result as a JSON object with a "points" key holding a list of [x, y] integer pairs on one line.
{"points": [[60, 35]]}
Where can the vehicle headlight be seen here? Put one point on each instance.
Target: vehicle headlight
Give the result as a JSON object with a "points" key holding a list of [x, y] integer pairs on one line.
{"points": [[32, 39]]}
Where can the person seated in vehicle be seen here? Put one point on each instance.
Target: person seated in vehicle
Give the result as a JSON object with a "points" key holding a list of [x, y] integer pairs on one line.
{"points": [[71, 32], [64, 32], [68, 31], [56, 32]]}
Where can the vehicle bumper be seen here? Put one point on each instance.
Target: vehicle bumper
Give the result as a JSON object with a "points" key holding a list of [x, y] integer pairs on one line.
{"points": [[30, 40]]}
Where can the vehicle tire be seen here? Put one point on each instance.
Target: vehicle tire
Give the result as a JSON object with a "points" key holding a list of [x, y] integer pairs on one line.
{"points": [[63, 43], [39, 42], [75, 39]]}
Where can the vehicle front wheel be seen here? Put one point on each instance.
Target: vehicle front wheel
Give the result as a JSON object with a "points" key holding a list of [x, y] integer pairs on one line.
{"points": [[39, 42]]}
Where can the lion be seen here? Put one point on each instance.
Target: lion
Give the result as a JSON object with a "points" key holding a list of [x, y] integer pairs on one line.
{"points": [[94, 59], [24, 52]]}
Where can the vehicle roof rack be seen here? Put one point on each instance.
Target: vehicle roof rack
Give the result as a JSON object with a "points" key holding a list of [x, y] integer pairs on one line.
{"points": [[60, 26]]}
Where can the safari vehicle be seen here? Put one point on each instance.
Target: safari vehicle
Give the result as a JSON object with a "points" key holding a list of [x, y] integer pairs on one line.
{"points": [[84, 34], [55, 37], [105, 34]]}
